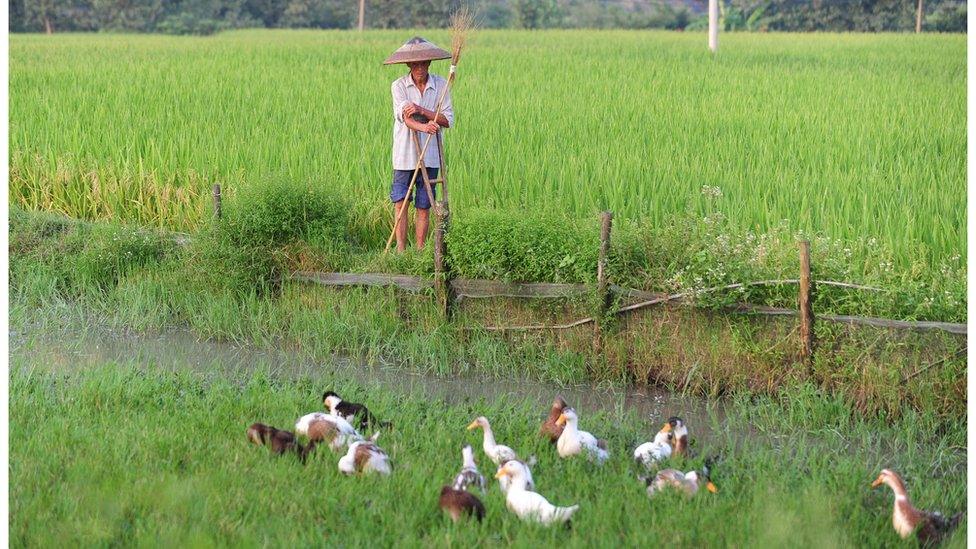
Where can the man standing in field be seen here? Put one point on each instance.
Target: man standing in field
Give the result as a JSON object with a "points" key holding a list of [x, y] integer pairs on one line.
{"points": [[415, 98]]}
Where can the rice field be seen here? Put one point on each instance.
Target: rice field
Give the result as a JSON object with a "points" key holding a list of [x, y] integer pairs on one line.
{"points": [[849, 136]]}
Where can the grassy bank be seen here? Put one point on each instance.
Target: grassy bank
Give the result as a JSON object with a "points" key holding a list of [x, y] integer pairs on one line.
{"points": [[131, 454], [227, 283], [849, 136]]}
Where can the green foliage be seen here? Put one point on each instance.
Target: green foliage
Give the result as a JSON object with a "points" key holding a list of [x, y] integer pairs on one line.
{"points": [[76, 258], [241, 251], [523, 247]]}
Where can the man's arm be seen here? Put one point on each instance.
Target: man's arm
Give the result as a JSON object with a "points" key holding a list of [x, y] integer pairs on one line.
{"points": [[424, 127]]}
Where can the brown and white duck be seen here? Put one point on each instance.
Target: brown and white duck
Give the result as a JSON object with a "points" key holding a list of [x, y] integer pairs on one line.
{"points": [[365, 456], [929, 526], [550, 428], [469, 475], [679, 434], [278, 441], [689, 482], [352, 412], [330, 429]]}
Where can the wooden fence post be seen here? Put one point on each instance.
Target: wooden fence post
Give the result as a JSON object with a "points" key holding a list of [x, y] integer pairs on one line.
{"points": [[442, 278], [216, 200], [602, 285], [806, 305]]}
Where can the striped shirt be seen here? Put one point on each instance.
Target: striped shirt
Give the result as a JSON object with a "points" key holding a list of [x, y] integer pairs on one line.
{"points": [[405, 91]]}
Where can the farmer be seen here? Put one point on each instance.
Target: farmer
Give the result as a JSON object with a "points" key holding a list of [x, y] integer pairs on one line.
{"points": [[415, 98]]}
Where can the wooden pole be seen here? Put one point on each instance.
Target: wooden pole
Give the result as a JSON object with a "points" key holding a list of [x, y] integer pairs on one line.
{"points": [[713, 25], [918, 17], [216, 200], [362, 15], [602, 285], [806, 305], [442, 276]]}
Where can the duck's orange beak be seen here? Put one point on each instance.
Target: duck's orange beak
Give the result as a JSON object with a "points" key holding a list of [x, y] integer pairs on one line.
{"points": [[666, 428], [561, 420], [473, 425], [711, 487], [501, 473], [877, 482]]}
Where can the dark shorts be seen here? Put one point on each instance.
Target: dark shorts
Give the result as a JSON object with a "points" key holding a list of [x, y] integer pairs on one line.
{"points": [[401, 180]]}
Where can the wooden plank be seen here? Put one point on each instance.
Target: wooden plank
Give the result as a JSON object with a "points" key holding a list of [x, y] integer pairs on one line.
{"points": [[409, 283], [475, 288]]}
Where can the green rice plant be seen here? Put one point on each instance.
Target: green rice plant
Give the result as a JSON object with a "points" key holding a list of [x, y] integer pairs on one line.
{"points": [[848, 137]]}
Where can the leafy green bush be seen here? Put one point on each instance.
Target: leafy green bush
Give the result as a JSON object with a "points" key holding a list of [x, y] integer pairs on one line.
{"points": [[523, 247], [242, 251]]}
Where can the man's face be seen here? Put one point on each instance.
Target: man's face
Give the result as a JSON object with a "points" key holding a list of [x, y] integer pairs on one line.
{"points": [[418, 69]]}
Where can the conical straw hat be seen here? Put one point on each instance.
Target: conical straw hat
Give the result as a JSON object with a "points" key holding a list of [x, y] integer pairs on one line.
{"points": [[416, 49]]}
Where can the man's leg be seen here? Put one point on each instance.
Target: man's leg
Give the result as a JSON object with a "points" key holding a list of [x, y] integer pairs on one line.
{"points": [[401, 228], [423, 221]]}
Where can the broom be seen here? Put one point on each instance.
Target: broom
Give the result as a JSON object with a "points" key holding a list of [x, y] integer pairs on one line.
{"points": [[461, 23]]}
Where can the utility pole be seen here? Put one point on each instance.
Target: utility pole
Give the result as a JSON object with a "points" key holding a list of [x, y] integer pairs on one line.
{"points": [[918, 17], [362, 14], [713, 25]]}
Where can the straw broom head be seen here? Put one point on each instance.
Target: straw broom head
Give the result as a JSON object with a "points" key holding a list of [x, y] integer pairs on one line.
{"points": [[461, 23]]}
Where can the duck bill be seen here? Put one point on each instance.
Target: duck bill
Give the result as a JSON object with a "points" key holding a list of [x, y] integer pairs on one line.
{"points": [[666, 428], [877, 482], [711, 487], [561, 420], [501, 473], [473, 425]]}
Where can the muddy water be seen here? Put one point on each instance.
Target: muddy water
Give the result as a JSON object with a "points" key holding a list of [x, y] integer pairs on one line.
{"points": [[182, 350]]}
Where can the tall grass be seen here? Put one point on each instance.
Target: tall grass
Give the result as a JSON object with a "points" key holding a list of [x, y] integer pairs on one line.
{"points": [[850, 136]]}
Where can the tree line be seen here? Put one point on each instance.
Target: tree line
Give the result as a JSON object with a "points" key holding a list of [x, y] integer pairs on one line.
{"points": [[209, 16]]}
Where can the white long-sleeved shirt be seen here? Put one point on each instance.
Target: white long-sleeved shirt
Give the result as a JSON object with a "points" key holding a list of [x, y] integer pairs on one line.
{"points": [[404, 150]]}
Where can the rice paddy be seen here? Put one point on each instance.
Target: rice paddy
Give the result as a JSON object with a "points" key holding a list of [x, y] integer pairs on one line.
{"points": [[849, 136]]}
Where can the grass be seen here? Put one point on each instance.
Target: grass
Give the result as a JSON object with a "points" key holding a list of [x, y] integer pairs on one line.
{"points": [[135, 454], [850, 137]]}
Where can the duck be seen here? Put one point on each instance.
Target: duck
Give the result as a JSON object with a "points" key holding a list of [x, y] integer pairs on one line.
{"points": [[527, 504], [549, 427], [500, 454], [279, 441], [652, 453], [689, 482], [930, 527], [365, 456], [497, 453], [460, 503], [328, 428], [680, 435], [572, 441], [469, 475], [350, 411]]}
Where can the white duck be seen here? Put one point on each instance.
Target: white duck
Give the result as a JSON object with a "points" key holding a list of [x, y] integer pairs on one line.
{"points": [[323, 427], [573, 441], [499, 454], [364, 456], [526, 504], [650, 454]]}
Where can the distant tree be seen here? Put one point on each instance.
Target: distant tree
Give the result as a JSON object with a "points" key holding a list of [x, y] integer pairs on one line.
{"points": [[128, 15], [320, 14], [50, 16], [494, 15], [535, 14]]}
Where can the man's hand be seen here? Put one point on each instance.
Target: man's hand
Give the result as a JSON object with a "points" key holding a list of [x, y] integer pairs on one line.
{"points": [[431, 127], [409, 109]]}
